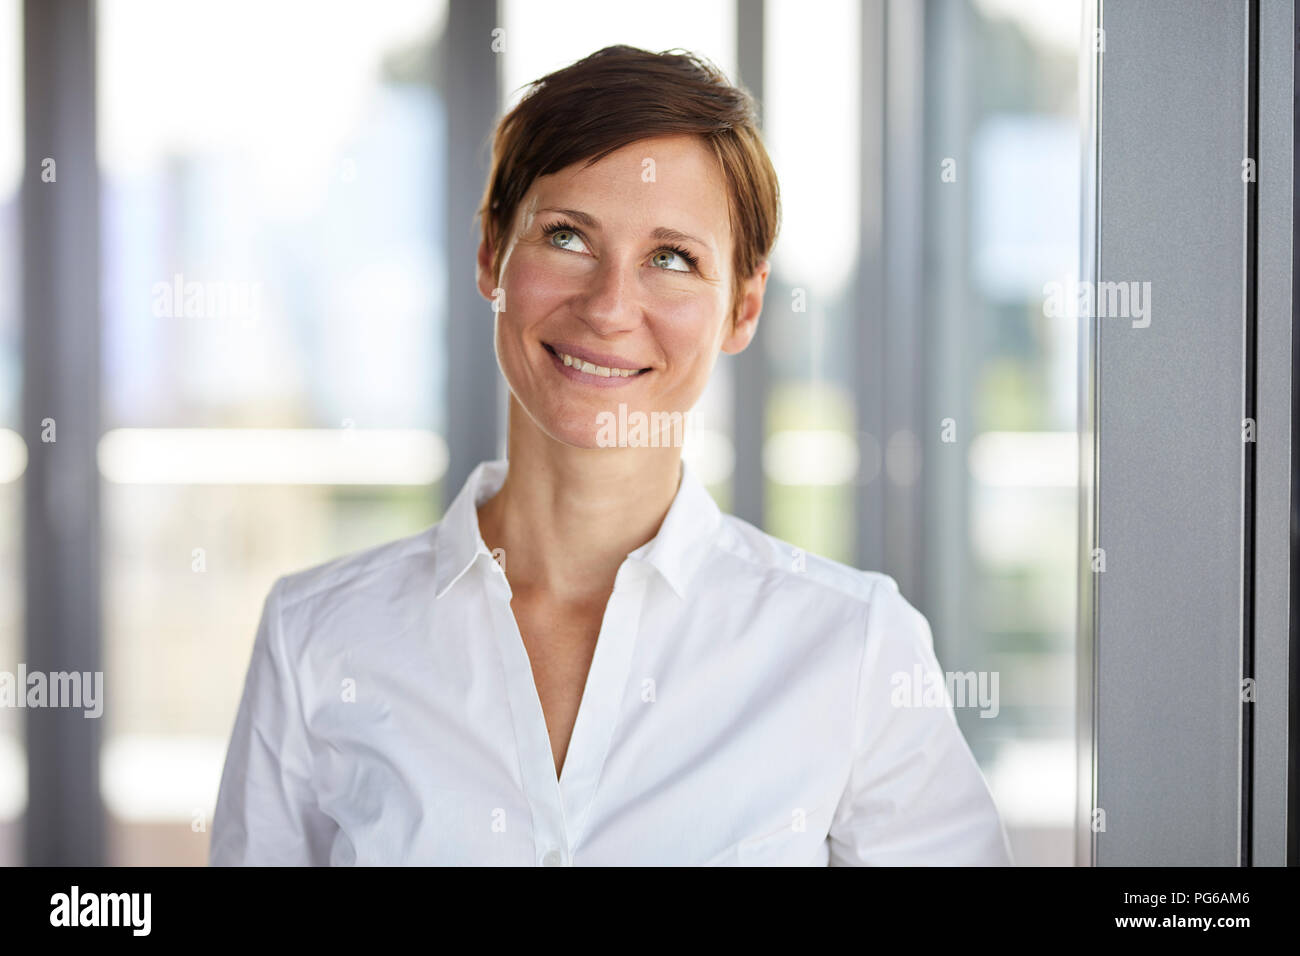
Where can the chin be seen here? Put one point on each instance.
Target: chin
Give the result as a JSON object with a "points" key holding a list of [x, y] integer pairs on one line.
{"points": [[568, 427], [573, 435]]}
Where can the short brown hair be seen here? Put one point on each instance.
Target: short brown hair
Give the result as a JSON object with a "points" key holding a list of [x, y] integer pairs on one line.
{"points": [[620, 95]]}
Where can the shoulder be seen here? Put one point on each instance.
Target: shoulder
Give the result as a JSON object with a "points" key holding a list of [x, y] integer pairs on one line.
{"points": [[823, 600], [778, 562], [367, 578]]}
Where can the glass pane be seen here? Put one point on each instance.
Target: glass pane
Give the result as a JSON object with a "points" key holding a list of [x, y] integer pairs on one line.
{"points": [[536, 41], [1002, 223], [273, 275], [810, 456]]}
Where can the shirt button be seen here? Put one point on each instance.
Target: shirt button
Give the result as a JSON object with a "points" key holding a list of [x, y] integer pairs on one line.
{"points": [[553, 858]]}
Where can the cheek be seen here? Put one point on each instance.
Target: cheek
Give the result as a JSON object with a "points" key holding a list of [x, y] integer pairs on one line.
{"points": [[688, 332], [533, 289]]}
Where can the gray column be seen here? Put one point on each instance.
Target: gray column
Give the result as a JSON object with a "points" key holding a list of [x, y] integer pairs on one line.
{"points": [[951, 340], [1085, 728], [905, 437], [888, 385], [869, 320], [1277, 497], [472, 86], [750, 368], [1171, 499], [60, 295]]}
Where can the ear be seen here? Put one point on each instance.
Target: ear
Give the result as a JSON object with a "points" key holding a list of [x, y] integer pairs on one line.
{"points": [[483, 271], [751, 306]]}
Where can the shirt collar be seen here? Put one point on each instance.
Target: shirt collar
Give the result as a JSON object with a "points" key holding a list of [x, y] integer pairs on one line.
{"points": [[676, 551], [459, 542], [682, 543]]}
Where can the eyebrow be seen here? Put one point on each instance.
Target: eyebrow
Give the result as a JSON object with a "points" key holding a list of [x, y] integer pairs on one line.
{"points": [[662, 233]]}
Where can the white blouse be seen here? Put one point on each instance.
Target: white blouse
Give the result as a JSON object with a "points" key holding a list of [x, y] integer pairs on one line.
{"points": [[739, 710]]}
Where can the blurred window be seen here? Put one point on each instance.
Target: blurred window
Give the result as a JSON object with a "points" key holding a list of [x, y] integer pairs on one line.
{"points": [[811, 454], [273, 250], [1004, 103]]}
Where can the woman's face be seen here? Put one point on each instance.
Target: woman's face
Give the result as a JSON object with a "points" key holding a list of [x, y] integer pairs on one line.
{"points": [[615, 289]]}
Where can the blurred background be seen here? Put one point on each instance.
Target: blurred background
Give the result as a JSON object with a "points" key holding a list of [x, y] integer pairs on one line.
{"points": [[306, 163]]}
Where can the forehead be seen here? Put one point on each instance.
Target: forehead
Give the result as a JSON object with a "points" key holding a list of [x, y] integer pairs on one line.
{"points": [[672, 181]]}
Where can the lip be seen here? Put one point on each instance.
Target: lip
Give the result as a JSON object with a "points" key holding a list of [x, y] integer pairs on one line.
{"points": [[595, 358], [596, 381]]}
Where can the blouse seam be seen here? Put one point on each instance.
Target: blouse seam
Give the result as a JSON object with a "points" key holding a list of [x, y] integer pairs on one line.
{"points": [[428, 547], [291, 673], [857, 735], [755, 562]]}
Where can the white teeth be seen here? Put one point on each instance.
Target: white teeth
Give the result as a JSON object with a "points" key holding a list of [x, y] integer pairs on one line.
{"points": [[600, 370]]}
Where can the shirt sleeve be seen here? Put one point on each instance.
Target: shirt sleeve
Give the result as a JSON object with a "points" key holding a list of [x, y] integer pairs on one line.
{"points": [[915, 795], [266, 812]]}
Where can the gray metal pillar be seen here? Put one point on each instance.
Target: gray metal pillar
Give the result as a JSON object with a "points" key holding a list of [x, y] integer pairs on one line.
{"points": [[750, 367], [1085, 729], [888, 326], [1192, 508], [906, 437], [472, 85], [60, 295], [952, 341], [869, 322], [1277, 497]]}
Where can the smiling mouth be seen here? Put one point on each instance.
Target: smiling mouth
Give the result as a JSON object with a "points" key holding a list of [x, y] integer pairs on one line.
{"points": [[593, 369]]}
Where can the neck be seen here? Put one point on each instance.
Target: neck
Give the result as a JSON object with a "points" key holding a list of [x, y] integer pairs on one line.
{"points": [[567, 517]]}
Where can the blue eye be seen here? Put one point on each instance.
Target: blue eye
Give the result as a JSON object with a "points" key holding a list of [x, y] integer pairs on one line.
{"points": [[561, 235], [665, 258], [564, 237]]}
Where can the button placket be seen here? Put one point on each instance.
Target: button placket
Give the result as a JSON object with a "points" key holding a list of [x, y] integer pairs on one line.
{"points": [[604, 696], [532, 743]]}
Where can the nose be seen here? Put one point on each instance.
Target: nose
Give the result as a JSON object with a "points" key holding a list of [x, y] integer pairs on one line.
{"points": [[609, 304]]}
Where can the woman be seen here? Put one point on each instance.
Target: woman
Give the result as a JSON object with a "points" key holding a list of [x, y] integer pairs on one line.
{"points": [[585, 662]]}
